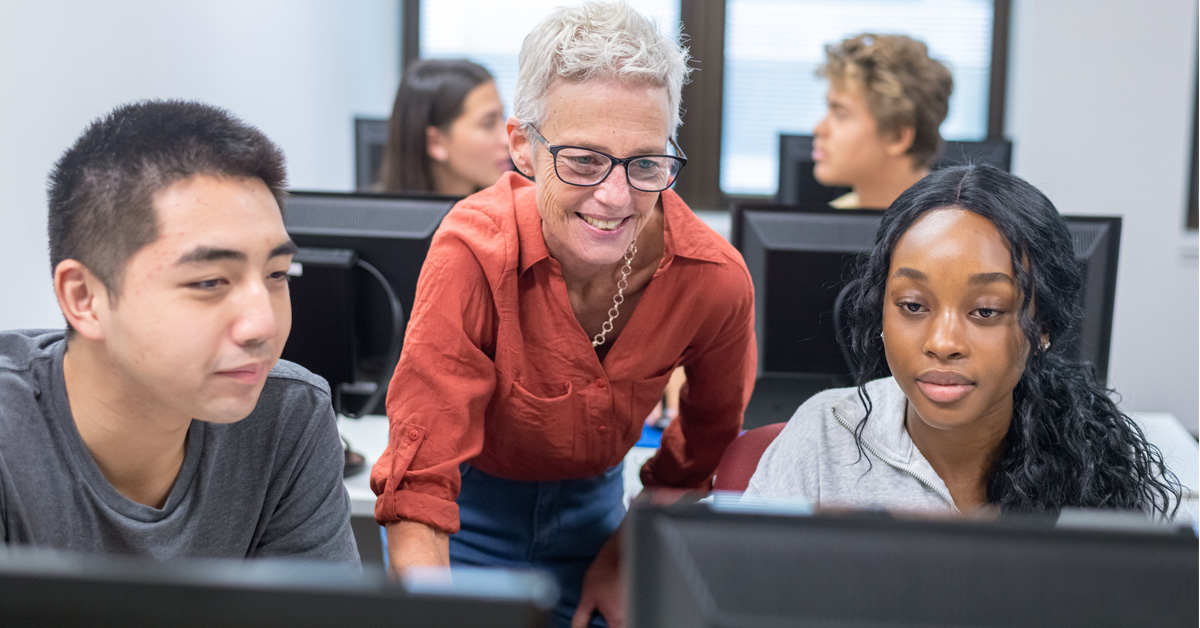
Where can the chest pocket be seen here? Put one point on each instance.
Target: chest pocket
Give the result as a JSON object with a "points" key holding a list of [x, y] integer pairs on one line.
{"points": [[539, 418]]}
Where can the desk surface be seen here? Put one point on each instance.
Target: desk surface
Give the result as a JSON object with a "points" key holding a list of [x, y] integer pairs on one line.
{"points": [[368, 436]]}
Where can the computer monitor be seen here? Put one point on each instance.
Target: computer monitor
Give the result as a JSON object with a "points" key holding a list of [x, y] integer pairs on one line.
{"points": [[797, 185], [800, 259], [370, 140], [353, 285], [700, 566], [39, 587]]}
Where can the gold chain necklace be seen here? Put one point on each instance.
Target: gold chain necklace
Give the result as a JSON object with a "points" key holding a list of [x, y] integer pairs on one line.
{"points": [[619, 297]]}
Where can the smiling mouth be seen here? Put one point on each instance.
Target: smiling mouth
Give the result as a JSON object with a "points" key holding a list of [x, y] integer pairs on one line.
{"points": [[603, 225]]}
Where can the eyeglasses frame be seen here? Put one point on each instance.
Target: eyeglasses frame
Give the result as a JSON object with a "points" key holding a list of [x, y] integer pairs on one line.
{"points": [[554, 149]]}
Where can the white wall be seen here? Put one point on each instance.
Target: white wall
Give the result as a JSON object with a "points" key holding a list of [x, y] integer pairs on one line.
{"points": [[297, 69], [1100, 111]]}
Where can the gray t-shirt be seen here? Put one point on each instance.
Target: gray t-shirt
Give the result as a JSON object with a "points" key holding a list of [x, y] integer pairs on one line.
{"points": [[268, 485], [816, 458]]}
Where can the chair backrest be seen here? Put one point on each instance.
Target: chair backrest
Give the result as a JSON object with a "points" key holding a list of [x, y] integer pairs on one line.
{"points": [[741, 457]]}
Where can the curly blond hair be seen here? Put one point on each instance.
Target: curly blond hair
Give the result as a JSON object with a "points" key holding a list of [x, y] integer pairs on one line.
{"points": [[903, 86]]}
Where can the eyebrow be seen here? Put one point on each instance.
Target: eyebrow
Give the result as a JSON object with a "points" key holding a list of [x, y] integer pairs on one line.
{"points": [[911, 273], [975, 280], [208, 254], [979, 279]]}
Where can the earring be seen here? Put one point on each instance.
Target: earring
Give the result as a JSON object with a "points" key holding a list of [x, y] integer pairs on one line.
{"points": [[1045, 345], [881, 335]]}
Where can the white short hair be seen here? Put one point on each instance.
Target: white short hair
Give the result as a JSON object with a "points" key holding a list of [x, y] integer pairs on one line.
{"points": [[598, 41]]}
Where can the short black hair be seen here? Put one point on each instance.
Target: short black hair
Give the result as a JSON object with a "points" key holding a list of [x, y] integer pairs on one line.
{"points": [[101, 190]]}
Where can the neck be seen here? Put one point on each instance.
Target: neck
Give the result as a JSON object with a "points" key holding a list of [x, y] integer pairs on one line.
{"points": [[140, 452], [445, 181], [964, 457], [886, 184]]}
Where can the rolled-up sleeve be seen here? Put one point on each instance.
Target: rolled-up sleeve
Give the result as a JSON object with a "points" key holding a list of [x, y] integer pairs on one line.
{"points": [[720, 378], [439, 394]]}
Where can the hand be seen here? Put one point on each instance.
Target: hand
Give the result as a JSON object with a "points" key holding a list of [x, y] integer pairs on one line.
{"points": [[602, 590]]}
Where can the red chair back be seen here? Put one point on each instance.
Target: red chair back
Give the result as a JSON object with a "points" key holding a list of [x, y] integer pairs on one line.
{"points": [[741, 457]]}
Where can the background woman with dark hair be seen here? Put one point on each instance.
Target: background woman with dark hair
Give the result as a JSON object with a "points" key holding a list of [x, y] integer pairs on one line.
{"points": [[447, 132], [967, 298]]}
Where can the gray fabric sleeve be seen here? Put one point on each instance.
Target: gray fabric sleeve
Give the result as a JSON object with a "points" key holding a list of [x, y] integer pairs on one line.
{"points": [[312, 518]]}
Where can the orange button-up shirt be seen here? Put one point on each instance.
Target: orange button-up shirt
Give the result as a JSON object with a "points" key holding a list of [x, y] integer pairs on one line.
{"points": [[496, 370]]}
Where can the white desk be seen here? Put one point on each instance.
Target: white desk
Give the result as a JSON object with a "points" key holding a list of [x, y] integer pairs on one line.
{"points": [[368, 436], [1180, 451]]}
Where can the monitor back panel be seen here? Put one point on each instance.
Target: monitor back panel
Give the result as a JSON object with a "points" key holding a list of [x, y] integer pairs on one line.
{"points": [[735, 569]]}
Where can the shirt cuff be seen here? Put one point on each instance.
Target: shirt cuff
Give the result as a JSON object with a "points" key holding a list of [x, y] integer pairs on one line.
{"points": [[420, 507]]}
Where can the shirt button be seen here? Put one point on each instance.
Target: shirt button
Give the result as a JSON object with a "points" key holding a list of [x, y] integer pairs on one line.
{"points": [[603, 429], [413, 435], [600, 383]]}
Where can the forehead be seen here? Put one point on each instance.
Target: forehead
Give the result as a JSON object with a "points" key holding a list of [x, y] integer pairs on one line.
{"points": [[847, 92], [607, 114], [207, 210], [482, 96], [952, 241]]}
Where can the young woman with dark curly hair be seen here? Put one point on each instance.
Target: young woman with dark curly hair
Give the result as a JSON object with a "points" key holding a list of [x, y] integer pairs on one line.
{"points": [[967, 299]]}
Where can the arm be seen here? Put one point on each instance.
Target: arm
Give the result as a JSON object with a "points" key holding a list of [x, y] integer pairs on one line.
{"points": [[602, 590], [415, 544], [312, 517], [437, 397], [720, 378]]}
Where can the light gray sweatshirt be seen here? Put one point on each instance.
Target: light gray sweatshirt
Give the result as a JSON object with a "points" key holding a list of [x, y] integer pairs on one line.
{"points": [[815, 457]]}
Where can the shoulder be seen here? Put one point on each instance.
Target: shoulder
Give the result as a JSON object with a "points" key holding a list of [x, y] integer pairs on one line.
{"points": [[292, 395], [491, 213], [817, 413], [290, 383], [21, 348], [693, 239], [294, 410], [790, 466], [25, 359]]}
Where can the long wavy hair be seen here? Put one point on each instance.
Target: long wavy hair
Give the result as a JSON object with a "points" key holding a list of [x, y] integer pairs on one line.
{"points": [[431, 94], [1068, 445]]}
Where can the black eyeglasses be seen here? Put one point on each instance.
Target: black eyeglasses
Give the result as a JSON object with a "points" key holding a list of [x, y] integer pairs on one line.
{"points": [[585, 167]]}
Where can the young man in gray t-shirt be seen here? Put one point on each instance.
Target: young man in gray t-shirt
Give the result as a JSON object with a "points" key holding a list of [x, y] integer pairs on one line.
{"points": [[162, 422]]}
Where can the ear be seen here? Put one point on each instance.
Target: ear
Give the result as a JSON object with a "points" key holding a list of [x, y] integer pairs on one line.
{"points": [[435, 144], [901, 141], [1045, 341], [82, 298], [519, 147]]}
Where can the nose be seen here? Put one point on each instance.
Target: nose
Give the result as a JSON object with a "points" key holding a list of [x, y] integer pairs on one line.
{"points": [[615, 191], [257, 316], [821, 127], [945, 338]]}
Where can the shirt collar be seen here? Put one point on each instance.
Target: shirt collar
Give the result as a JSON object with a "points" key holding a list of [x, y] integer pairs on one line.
{"points": [[685, 234]]}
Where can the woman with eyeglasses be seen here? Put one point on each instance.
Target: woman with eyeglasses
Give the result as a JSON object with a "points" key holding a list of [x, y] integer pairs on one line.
{"points": [[552, 310]]}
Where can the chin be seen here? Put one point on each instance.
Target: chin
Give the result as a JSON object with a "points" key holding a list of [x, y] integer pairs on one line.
{"points": [[825, 178], [229, 410]]}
